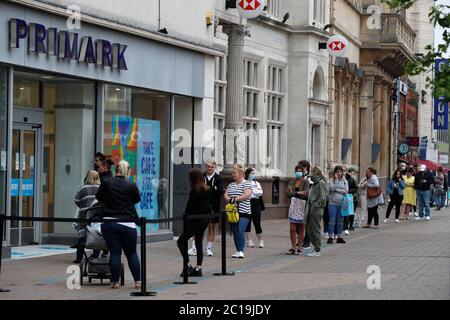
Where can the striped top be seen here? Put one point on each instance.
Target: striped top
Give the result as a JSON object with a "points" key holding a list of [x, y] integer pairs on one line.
{"points": [[235, 190], [85, 197]]}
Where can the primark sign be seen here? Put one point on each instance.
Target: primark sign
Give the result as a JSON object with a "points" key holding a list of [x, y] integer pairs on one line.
{"points": [[66, 45]]}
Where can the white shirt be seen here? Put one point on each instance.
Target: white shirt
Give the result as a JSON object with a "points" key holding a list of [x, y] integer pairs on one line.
{"points": [[257, 190]]}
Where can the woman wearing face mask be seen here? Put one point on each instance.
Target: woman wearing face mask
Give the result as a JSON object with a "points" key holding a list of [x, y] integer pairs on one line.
{"points": [[256, 210], [338, 186], [298, 188]]}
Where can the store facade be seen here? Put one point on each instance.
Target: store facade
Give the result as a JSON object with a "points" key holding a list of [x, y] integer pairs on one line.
{"points": [[67, 94]]}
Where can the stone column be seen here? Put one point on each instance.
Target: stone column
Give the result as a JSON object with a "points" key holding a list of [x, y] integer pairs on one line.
{"points": [[385, 132], [234, 149], [377, 119], [366, 129]]}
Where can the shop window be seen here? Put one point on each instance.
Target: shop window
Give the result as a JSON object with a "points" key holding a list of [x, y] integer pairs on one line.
{"points": [[220, 89], [26, 92], [136, 130]]}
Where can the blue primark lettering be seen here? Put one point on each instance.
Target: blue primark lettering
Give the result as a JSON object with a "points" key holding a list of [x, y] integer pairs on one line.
{"points": [[64, 45], [36, 37], [148, 165]]}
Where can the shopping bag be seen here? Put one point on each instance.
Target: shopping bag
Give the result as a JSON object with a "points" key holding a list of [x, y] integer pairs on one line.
{"points": [[297, 210], [347, 208]]}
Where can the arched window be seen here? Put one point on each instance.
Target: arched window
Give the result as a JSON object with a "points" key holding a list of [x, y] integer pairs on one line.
{"points": [[319, 85]]}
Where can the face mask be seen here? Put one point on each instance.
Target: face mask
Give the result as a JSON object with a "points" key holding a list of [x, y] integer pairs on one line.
{"points": [[252, 177], [299, 174], [315, 179]]}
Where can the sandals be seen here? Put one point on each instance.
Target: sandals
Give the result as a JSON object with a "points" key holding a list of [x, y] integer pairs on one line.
{"points": [[115, 285], [293, 252]]}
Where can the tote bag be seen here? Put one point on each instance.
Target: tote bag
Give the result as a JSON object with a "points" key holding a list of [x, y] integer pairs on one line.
{"points": [[347, 208], [297, 210], [94, 239]]}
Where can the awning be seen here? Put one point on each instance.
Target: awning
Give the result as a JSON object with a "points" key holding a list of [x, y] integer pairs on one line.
{"points": [[432, 165]]}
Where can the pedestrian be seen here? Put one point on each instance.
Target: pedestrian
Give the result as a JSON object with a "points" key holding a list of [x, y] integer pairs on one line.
{"points": [[298, 190], [257, 192], [440, 188], [198, 204], [409, 198], [395, 190], [83, 200], [306, 167], [337, 187], [98, 158], [215, 183], [374, 196], [422, 183], [239, 192], [317, 200], [353, 190], [325, 210], [415, 171], [119, 197], [362, 191], [104, 169]]}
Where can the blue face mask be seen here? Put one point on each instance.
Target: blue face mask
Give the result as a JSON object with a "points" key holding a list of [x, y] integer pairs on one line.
{"points": [[252, 177], [299, 174]]}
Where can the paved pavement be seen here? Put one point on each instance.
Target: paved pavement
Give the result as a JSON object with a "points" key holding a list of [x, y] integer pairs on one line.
{"points": [[413, 257]]}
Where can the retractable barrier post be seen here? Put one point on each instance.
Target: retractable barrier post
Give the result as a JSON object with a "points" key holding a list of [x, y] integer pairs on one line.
{"points": [[223, 224], [143, 292], [2, 225], [185, 258]]}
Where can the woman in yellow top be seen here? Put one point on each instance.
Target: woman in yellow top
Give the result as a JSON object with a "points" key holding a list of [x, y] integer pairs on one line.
{"points": [[409, 194]]}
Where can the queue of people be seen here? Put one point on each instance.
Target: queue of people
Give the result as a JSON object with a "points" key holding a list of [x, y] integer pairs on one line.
{"points": [[316, 204]]}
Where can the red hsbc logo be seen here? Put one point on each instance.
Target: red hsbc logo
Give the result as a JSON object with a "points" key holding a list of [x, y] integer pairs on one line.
{"points": [[336, 45], [249, 5]]}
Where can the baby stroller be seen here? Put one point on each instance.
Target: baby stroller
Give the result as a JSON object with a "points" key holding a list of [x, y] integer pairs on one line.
{"points": [[96, 267]]}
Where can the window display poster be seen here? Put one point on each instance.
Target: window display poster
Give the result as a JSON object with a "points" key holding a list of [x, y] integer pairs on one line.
{"points": [[138, 142], [148, 167]]}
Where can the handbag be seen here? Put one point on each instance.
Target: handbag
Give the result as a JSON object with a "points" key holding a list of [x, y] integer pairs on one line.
{"points": [[262, 207], [373, 192], [94, 239], [297, 210], [347, 207], [232, 213]]}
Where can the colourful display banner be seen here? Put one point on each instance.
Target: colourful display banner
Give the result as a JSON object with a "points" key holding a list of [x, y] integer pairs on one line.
{"points": [[148, 168], [138, 142], [440, 115], [14, 187]]}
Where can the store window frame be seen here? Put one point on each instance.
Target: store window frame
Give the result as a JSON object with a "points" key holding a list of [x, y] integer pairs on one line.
{"points": [[169, 105]]}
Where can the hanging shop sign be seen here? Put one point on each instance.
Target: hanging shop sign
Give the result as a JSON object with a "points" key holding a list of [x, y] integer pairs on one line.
{"points": [[337, 45], [66, 45], [250, 9]]}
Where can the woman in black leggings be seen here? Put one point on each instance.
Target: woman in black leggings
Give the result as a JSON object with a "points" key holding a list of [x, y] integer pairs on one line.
{"points": [[395, 189], [257, 192], [197, 205]]}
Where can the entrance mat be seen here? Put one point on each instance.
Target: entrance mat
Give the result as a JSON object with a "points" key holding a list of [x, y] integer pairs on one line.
{"points": [[39, 251]]}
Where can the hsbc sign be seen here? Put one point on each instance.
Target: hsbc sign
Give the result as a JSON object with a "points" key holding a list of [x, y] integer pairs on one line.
{"points": [[250, 9], [337, 45]]}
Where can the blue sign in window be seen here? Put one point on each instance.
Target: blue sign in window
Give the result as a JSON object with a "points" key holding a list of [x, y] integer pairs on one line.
{"points": [[27, 187]]}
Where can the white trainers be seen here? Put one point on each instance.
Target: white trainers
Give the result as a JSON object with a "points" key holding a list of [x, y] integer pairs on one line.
{"points": [[250, 243], [261, 244], [209, 252], [236, 255], [313, 254], [397, 221], [192, 252], [346, 232], [241, 255], [416, 214], [427, 218], [418, 219], [385, 220]]}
